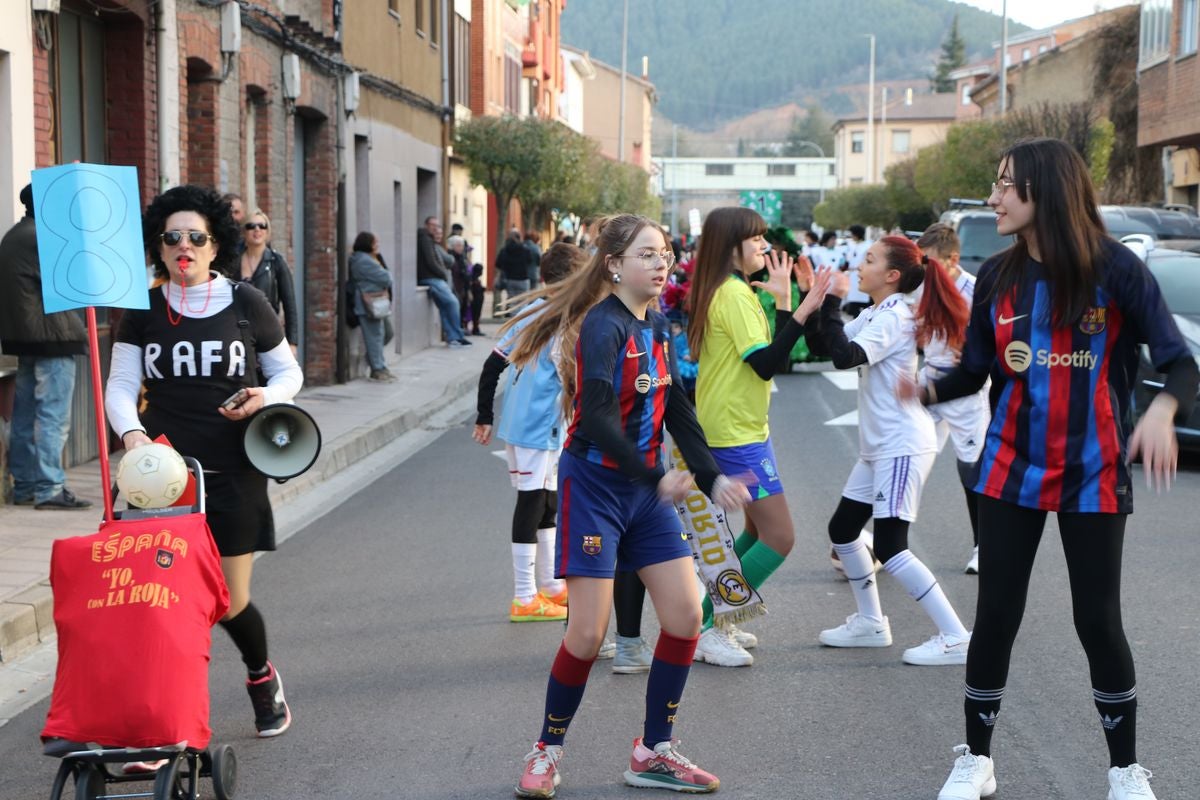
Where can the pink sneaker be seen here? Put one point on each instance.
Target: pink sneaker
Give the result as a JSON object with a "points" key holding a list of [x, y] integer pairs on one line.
{"points": [[664, 767], [540, 778]]}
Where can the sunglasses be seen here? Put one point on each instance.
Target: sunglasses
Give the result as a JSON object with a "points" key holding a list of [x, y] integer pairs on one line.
{"points": [[197, 238], [261, 226]]}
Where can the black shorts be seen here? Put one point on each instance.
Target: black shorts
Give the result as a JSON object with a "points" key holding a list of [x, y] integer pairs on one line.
{"points": [[239, 512]]}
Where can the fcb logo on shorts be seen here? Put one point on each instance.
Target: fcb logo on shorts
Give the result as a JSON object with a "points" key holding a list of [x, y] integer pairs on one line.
{"points": [[164, 558], [1093, 320], [591, 545]]}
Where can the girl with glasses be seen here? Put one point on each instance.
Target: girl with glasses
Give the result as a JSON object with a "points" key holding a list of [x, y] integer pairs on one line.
{"points": [[738, 358], [1057, 322], [616, 499], [203, 339], [266, 270]]}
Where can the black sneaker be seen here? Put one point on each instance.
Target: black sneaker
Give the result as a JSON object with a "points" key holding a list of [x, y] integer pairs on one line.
{"points": [[271, 713], [63, 501]]}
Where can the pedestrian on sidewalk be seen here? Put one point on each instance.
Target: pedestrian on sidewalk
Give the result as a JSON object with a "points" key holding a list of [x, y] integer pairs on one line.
{"points": [[533, 244], [191, 354], [617, 507], [433, 264], [45, 346], [533, 429], [512, 264], [265, 269], [1058, 321], [369, 274], [460, 271]]}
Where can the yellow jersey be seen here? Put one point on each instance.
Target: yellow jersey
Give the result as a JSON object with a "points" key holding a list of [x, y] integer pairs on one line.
{"points": [[731, 399]]}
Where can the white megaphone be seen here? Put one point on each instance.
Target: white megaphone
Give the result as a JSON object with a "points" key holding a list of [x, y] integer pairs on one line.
{"points": [[282, 441]]}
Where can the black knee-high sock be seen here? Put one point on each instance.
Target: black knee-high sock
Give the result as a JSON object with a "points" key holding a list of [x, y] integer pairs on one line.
{"points": [[1118, 715], [629, 594], [249, 633]]}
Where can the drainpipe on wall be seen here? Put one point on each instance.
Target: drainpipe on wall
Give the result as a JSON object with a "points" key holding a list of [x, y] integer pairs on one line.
{"points": [[447, 113], [341, 366], [167, 75]]}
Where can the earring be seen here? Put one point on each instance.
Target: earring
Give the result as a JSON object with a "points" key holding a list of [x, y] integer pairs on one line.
{"points": [[616, 276]]}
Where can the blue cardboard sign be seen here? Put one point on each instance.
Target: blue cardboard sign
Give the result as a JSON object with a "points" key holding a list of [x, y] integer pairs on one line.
{"points": [[89, 235]]}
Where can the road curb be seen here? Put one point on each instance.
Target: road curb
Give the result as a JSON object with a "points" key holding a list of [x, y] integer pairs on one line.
{"points": [[26, 620]]}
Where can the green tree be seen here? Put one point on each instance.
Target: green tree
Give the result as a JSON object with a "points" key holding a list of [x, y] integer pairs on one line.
{"points": [[954, 56], [862, 205], [560, 174], [913, 212], [815, 127], [503, 155]]}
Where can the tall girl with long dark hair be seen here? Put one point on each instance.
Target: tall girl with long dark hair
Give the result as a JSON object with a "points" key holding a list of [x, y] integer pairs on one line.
{"points": [[897, 441], [1057, 322], [615, 507], [738, 358]]}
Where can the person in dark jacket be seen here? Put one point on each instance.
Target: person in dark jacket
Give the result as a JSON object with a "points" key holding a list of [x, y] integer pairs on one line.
{"points": [[432, 272], [45, 346], [368, 274], [266, 270], [533, 244], [512, 265]]}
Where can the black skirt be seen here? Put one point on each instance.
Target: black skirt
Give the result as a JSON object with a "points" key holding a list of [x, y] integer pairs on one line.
{"points": [[239, 512]]}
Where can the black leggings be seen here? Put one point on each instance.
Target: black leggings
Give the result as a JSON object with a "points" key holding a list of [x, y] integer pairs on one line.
{"points": [[1092, 543], [891, 534], [536, 510]]}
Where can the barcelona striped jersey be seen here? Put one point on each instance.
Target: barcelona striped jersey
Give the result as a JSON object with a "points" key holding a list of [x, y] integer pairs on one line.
{"points": [[1062, 416], [635, 357]]}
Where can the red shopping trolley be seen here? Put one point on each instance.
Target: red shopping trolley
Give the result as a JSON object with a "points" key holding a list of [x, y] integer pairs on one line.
{"points": [[134, 605]]}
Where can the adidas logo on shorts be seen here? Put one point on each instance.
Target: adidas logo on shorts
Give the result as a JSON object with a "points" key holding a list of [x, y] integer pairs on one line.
{"points": [[879, 498]]}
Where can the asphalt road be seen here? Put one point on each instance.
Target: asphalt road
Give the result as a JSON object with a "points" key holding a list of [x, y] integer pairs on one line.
{"points": [[388, 621]]}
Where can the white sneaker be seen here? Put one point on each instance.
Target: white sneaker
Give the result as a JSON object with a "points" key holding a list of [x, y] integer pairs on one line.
{"points": [[942, 649], [719, 648], [973, 777], [746, 639], [1130, 783], [607, 650], [859, 631], [972, 567]]}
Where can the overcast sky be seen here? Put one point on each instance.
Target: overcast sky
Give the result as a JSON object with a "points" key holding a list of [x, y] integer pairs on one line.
{"points": [[1044, 13]]}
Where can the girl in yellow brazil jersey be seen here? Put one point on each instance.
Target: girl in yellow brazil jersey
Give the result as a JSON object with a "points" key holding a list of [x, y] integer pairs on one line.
{"points": [[738, 357]]}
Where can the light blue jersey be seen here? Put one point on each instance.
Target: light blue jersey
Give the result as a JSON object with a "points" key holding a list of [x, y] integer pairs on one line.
{"points": [[531, 414]]}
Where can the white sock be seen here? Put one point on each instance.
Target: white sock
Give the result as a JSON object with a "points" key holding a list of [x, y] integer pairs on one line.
{"points": [[523, 556], [921, 586], [545, 563], [860, 571]]}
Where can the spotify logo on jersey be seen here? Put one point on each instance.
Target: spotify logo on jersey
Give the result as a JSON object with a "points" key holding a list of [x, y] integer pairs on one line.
{"points": [[1018, 355]]}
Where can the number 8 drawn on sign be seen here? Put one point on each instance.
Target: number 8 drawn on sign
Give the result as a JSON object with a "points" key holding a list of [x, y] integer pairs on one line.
{"points": [[87, 270]]}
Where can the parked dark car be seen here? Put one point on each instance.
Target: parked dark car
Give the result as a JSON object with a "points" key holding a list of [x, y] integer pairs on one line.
{"points": [[1178, 275], [976, 229]]}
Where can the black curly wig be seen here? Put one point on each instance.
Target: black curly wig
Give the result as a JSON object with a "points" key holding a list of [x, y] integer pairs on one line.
{"points": [[208, 204]]}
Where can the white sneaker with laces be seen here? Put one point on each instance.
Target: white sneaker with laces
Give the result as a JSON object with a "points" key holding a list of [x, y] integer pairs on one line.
{"points": [[1130, 783], [607, 650], [719, 648], [745, 639], [942, 649], [972, 778], [972, 567], [859, 631]]}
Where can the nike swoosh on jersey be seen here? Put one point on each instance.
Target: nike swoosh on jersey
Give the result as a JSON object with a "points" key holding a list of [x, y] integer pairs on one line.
{"points": [[1003, 320], [634, 355]]}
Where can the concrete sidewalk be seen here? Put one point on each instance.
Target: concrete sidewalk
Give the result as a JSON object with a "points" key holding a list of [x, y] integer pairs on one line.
{"points": [[356, 419]]}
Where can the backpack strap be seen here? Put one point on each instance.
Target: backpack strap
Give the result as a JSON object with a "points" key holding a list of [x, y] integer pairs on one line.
{"points": [[244, 325]]}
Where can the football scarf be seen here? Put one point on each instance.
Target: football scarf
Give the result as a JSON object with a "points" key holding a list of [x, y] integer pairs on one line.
{"points": [[706, 528]]}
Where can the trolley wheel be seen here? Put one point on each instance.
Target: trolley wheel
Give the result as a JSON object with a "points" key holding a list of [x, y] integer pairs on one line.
{"points": [[224, 772], [89, 782], [65, 770], [166, 780]]}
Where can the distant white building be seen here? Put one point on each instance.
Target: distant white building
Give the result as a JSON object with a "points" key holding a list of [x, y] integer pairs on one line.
{"points": [[708, 183]]}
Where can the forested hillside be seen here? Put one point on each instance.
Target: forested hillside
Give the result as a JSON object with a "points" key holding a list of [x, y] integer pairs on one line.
{"points": [[715, 60]]}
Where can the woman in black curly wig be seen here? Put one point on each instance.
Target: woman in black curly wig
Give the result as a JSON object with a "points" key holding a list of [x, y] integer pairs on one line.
{"points": [[203, 340]]}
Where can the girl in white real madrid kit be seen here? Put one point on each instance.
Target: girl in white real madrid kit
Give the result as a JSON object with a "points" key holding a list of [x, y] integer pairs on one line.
{"points": [[897, 441], [202, 340], [963, 421]]}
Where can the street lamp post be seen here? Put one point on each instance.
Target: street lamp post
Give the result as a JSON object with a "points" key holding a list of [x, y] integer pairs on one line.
{"points": [[871, 113], [1004, 57], [624, 65]]}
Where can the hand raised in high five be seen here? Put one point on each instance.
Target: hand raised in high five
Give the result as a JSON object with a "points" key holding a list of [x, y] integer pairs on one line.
{"points": [[816, 295], [803, 270], [778, 283]]}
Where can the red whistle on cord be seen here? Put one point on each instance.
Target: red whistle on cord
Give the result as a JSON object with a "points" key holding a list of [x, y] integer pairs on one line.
{"points": [[184, 263]]}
